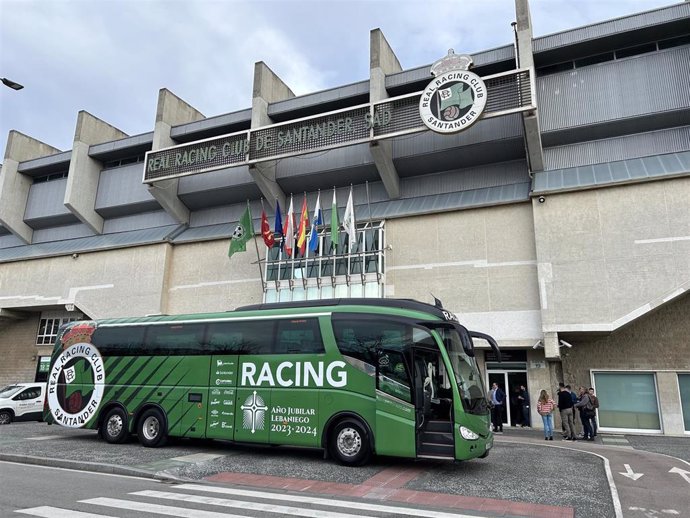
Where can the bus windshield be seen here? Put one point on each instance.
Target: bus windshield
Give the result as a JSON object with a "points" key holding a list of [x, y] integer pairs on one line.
{"points": [[467, 374]]}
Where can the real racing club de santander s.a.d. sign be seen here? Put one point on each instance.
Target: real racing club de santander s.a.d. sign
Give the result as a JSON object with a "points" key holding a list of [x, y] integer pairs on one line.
{"points": [[455, 98]]}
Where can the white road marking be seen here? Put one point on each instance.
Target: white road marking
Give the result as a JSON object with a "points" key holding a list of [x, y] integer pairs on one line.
{"points": [[158, 509], [45, 437], [683, 473], [630, 474], [55, 512], [245, 504], [81, 472], [324, 501]]}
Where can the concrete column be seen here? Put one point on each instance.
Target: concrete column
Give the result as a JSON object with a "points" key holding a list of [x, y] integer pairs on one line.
{"points": [[382, 61], [669, 401], [268, 88], [84, 171], [15, 186], [523, 29], [552, 350], [171, 111]]}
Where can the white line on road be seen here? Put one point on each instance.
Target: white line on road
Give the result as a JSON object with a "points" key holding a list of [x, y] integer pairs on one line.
{"points": [[245, 504], [55, 512], [45, 437], [323, 501], [158, 509], [683, 473], [80, 471]]}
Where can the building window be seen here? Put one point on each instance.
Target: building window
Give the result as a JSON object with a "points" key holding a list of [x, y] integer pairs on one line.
{"points": [[49, 325], [627, 401], [684, 387], [332, 271]]}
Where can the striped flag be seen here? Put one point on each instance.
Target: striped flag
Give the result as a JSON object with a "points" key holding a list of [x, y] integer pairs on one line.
{"points": [[302, 230], [349, 224], [318, 220], [334, 222], [289, 230]]}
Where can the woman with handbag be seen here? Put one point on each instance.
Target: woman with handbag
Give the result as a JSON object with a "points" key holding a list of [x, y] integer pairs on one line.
{"points": [[545, 406]]}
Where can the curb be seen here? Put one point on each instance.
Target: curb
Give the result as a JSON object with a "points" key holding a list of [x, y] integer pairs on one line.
{"points": [[110, 469]]}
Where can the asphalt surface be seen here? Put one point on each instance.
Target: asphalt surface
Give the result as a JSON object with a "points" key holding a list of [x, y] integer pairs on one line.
{"points": [[522, 471]]}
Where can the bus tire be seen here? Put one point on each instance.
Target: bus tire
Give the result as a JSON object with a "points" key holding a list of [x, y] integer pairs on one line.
{"points": [[349, 443], [152, 428], [5, 417], [114, 426]]}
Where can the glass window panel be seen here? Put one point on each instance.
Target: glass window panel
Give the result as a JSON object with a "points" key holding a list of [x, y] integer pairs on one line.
{"points": [[298, 336], [285, 295], [371, 290], [356, 290], [312, 293], [327, 292], [242, 337], [298, 293], [341, 291], [271, 296], [393, 376], [684, 385], [627, 400]]}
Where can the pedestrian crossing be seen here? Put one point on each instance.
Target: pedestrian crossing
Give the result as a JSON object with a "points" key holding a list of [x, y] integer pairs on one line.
{"points": [[206, 501]]}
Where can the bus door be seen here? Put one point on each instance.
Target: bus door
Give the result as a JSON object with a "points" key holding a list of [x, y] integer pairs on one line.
{"points": [[433, 405], [220, 418], [395, 411]]}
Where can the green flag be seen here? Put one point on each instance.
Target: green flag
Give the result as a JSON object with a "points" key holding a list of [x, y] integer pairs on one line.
{"points": [[458, 94], [243, 232], [334, 222]]}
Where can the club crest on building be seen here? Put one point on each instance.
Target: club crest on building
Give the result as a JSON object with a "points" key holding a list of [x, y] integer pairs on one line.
{"points": [[456, 98]]}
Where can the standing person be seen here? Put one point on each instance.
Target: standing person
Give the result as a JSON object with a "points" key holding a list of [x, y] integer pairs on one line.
{"points": [[498, 398], [593, 415], [523, 398], [575, 399], [585, 407], [545, 406], [565, 406]]}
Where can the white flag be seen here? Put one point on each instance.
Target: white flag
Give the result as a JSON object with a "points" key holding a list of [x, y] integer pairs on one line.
{"points": [[349, 222]]}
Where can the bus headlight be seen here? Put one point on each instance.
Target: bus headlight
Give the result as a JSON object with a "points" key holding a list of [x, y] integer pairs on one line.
{"points": [[468, 434]]}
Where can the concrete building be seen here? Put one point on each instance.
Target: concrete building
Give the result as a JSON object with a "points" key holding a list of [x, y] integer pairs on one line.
{"points": [[558, 221]]}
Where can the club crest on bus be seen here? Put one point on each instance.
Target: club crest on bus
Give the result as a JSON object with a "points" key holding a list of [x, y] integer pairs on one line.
{"points": [[76, 385], [455, 99]]}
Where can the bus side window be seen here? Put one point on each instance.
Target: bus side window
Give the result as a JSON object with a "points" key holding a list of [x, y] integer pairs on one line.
{"points": [[120, 340], [241, 337], [299, 336], [175, 339], [393, 376]]}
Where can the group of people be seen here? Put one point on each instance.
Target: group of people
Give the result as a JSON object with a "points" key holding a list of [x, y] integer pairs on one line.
{"points": [[567, 402]]}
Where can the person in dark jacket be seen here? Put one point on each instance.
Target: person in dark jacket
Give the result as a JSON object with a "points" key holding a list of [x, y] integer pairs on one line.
{"points": [[585, 406], [498, 398], [565, 407], [523, 398]]}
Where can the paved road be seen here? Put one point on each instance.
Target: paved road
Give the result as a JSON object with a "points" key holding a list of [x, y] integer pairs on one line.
{"points": [[523, 476]]}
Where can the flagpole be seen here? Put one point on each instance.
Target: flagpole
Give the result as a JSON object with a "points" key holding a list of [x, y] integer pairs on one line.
{"points": [[256, 245]]}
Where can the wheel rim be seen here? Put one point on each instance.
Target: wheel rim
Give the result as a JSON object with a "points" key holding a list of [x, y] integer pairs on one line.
{"points": [[151, 428], [349, 442], [4, 418], [115, 425]]}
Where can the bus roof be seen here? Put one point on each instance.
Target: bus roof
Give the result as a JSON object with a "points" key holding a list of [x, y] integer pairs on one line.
{"points": [[402, 305]]}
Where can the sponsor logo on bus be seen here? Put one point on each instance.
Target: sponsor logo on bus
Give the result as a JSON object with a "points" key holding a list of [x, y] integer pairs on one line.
{"points": [[77, 372], [254, 413], [294, 374]]}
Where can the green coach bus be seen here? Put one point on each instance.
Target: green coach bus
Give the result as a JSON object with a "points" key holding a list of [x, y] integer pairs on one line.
{"points": [[354, 377]]}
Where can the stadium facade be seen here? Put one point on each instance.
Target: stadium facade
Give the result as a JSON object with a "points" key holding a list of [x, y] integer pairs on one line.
{"points": [[556, 217]]}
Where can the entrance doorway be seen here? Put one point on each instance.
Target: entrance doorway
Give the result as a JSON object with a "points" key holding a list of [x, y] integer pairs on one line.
{"points": [[510, 382]]}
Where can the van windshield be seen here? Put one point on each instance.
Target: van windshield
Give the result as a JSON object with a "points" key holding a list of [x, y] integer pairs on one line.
{"points": [[9, 391]]}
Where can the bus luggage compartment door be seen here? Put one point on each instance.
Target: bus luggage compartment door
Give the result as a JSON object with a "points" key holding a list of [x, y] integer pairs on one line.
{"points": [[220, 420]]}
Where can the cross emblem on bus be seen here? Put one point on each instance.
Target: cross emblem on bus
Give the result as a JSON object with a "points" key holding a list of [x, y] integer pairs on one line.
{"points": [[254, 410]]}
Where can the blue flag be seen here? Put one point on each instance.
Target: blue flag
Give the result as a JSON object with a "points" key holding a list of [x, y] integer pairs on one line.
{"points": [[318, 220], [278, 227]]}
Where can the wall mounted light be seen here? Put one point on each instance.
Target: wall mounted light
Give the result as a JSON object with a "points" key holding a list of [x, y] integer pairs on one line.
{"points": [[541, 199]]}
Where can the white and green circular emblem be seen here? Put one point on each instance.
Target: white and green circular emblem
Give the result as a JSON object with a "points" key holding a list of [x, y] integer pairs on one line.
{"points": [[76, 385], [453, 101]]}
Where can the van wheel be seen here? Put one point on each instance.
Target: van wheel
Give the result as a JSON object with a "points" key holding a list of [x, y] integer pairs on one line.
{"points": [[349, 443], [114, 426], [5, 417], [152, 428]]}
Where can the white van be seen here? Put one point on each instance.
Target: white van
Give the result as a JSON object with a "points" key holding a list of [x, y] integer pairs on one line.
{"points": [[22, 402]]}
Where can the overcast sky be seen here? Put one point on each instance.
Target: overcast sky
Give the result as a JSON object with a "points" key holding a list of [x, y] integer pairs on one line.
{"points": [[111, 57]]}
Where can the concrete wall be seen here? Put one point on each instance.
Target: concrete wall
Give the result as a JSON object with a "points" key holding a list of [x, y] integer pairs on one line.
{"points": [[657, 342], [480, 263], [203, 279], [18, 350], [114, 283], [607, 256]]}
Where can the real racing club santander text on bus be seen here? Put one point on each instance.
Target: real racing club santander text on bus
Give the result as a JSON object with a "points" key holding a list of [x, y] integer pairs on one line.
{"points": [[354, 377]]}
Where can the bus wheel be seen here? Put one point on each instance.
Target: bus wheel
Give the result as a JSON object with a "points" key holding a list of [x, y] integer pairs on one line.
{"points": [[114, 426], [151, 428], [349, 443]]}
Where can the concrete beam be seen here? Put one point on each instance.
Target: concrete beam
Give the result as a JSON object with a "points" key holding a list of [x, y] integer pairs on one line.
{"points": [[84, 171], [15, 186], [382, 62], [268, 88], [525, 56], [171, 111], [552, 349]]}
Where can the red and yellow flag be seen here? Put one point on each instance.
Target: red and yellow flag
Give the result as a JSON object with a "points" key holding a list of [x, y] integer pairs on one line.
{"points": [[302, 230], [266, 232]]}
